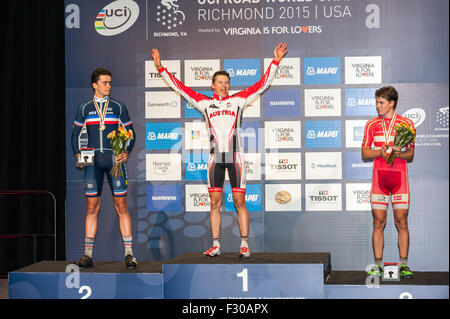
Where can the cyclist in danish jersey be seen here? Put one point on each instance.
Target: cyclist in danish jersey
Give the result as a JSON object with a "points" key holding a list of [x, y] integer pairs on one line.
{"points": [[223, 117], [388, 181]]}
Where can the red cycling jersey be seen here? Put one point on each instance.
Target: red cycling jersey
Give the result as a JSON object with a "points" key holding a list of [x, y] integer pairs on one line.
{"points": [[386, 179]]}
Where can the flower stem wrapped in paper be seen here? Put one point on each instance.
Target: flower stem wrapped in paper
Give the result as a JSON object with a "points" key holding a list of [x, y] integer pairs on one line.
{"points": [[404, 136], [118, 139]]}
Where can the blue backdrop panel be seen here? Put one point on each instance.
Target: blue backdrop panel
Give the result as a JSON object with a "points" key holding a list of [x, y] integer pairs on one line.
{"points": [[340, 52]]}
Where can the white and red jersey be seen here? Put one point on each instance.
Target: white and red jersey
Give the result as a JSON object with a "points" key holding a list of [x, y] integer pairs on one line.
{"points": [[223, 115], [377, 134], [387, 180]]}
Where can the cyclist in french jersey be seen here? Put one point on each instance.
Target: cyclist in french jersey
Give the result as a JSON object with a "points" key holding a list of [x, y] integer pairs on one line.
{"points": [[388, 181], [99, 116], [223, 118]]}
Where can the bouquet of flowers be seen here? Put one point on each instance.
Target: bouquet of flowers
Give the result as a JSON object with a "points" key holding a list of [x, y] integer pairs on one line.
{"points": [[405, 135], [118, 139]]}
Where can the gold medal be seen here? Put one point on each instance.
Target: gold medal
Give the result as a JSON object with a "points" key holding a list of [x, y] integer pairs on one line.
{"points": [[101, 115], [387, 132]]}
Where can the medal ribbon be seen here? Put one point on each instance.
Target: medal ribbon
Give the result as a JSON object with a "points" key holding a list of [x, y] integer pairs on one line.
{"points": [[387, 134], [101, 115]]}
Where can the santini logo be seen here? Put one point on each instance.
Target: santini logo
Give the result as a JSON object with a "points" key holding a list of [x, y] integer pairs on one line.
{"points": [[116, 17]]}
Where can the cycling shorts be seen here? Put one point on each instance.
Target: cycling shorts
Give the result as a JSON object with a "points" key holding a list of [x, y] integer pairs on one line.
{"points": [[389, 184], [93, 177], [234, 163]]}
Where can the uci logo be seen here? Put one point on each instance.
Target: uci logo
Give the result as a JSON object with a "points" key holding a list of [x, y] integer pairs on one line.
{"points": [[116, 17]]}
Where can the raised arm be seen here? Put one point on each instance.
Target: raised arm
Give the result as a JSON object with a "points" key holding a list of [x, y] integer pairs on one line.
{"points": [[156, 59], [190, 95], [250, 93], [280, 51]]}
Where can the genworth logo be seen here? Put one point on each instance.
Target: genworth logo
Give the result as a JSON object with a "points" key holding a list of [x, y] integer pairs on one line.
{"points": [[116, 17]]}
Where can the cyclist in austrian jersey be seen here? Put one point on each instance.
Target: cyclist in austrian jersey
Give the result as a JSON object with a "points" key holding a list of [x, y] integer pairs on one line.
{"points": [[388, 181], [223, 117], [101, 115]]}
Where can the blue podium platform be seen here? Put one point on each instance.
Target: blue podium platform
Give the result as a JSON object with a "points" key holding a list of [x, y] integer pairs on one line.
{"points": [[193, 276]]}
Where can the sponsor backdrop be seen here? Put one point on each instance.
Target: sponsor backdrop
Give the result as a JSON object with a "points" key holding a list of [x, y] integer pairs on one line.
{"points": [[308, 189]]}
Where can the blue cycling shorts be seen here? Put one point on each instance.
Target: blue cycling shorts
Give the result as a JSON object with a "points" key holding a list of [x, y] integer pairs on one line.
{"points": [[93, 177]]}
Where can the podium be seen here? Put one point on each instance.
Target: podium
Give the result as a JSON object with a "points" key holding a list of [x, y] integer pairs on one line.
{"points": [[194, 276]]}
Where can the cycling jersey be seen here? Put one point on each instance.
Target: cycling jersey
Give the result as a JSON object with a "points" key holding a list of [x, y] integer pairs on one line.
{"points": [[223, 115], [88, 116], [387, 180], [223, 118]]}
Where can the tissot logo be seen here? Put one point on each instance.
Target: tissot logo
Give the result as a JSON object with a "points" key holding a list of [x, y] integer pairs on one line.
{"points": [[116, 17]]}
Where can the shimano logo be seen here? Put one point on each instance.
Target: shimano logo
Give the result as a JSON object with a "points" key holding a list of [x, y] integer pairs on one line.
{"points": [[163, 197]]}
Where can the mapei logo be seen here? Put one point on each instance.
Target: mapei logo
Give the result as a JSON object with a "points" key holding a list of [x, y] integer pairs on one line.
{"points": [[323, 134], [252, 198], [325, 70], [360, 101], [243, 72], [116, 17], [163, 135]]}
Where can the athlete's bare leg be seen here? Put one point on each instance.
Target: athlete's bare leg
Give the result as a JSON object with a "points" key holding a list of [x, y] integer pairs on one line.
{"points": [[121, 206], [214, 215], [401, 222], [93, 208], [379, 223], [241, 208]]}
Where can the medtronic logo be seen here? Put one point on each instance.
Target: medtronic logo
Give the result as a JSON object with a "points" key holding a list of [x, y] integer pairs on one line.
{"points": [[322, 70], [116, 17], [323, 134], [243, 72]]}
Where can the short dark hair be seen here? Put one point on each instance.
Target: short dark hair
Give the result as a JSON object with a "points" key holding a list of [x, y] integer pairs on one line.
{"points": [[97, 72], [389, 93], [220, 73]]}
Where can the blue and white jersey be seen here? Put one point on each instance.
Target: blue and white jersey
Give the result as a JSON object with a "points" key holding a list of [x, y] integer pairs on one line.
{"points": [[113, 116]]}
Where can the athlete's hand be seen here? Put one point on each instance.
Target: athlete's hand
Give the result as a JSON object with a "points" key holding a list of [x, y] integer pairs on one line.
{"points": [[122, 157], [397, 150], [383, 151], [156, 59], [279, 51], [76, 161]]}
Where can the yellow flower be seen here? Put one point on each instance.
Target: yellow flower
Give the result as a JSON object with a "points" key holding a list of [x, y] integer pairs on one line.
{"points": [[111, 135]]}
